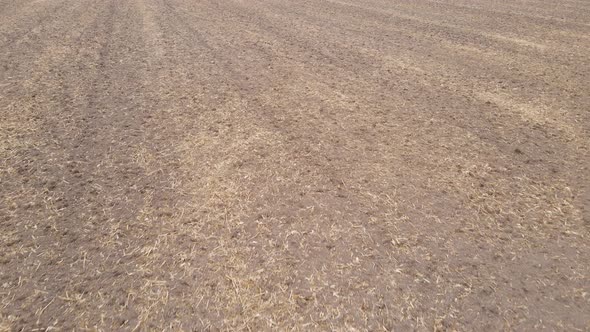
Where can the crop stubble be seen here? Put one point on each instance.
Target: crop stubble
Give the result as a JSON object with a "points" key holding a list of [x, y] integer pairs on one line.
{"points": [[267, 164]]}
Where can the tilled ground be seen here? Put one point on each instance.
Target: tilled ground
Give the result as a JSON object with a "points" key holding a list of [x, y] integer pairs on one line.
{"points": [[306, 165]]}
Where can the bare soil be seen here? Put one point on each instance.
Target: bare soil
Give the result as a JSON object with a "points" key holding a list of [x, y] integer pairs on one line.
{"points": [[294, 165]]}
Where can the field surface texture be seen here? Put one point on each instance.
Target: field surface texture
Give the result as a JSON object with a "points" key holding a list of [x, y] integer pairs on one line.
{"points": [[299, 165]]}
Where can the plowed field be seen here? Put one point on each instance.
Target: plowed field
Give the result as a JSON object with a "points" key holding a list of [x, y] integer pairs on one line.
{"points": [[294, 165]]}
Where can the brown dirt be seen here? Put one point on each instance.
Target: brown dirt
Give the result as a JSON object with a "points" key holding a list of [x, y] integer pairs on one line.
{"points": [[294, 165]]}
